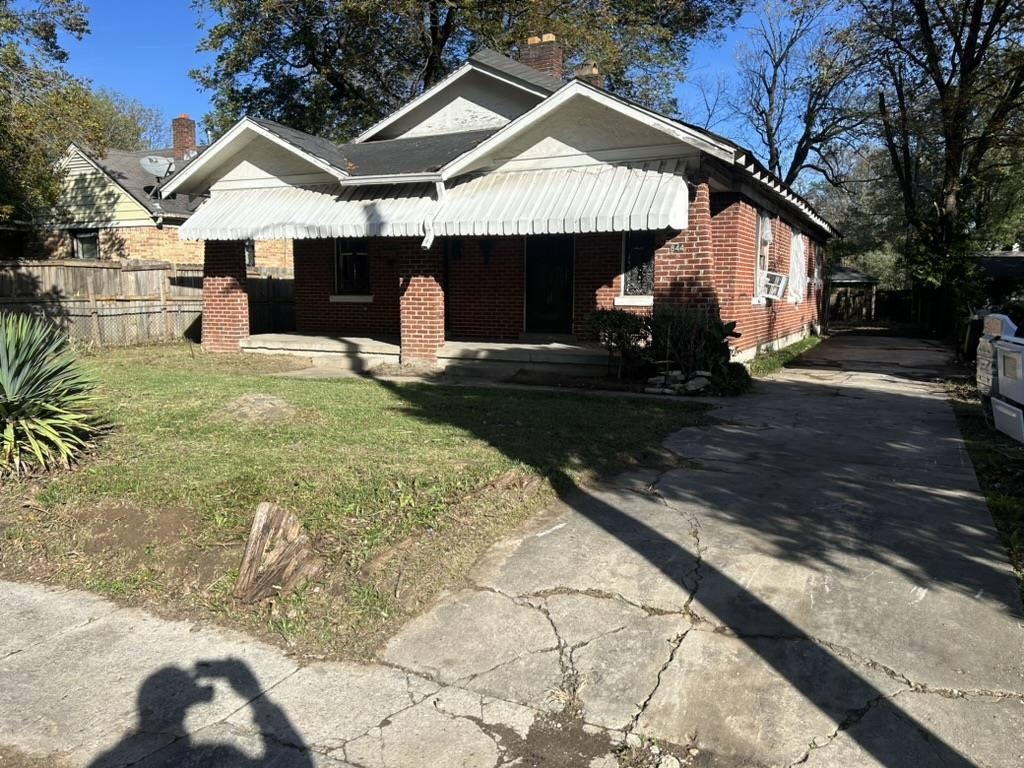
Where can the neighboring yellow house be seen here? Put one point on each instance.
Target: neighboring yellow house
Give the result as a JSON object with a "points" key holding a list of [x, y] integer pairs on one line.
{"points": [[108, 209]]}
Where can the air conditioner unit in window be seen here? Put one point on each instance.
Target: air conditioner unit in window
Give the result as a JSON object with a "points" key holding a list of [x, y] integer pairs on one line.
{"points": [[773, 285]]}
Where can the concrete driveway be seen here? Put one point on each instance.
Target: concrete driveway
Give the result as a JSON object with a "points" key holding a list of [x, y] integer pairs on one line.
{"points": [[814, 579]]}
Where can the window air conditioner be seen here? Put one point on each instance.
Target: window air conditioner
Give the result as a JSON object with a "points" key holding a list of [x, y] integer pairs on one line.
{"points": [[774, 285]]}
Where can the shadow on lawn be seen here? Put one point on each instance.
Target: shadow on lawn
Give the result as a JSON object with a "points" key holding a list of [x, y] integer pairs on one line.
{"points": [[848, 515]]}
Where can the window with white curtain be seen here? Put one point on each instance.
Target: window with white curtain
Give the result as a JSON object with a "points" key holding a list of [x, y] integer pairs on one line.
{"points": [[797, 269]]}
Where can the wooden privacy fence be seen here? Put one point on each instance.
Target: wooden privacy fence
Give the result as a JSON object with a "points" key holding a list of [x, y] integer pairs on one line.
{"points": [[109, 303]]}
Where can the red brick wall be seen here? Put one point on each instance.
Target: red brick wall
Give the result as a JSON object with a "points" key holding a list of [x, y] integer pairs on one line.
{"points": [[422, 301], [597, 277], [734, 223], [684, 265], [485, 289], [225, 302], [314, 284]]}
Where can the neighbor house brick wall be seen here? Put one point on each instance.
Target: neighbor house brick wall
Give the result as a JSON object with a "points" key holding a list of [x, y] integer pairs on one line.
{"points": [[314, 285], [225, 302], [484, 288], [154, 244], [422, 302], [735, 232]]}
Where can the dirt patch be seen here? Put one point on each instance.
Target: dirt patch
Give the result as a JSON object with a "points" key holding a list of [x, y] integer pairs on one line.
{"points": [[13, 758], [260, 409]]}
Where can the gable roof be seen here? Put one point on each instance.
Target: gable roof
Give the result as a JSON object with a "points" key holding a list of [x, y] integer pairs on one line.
{"points": [[487, 62], [489, 59], [123, 169], [843, 275]]}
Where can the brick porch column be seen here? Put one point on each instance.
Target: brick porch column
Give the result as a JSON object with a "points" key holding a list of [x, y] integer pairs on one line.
{"points": [[422, 304], [225, 300], [687, 275]]}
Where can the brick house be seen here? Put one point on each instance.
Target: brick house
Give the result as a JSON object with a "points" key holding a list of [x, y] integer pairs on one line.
{"points": [[108, 209], [503, 205]]}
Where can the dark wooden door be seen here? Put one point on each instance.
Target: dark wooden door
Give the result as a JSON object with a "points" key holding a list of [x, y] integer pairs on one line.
{"points": [[549, 284]]}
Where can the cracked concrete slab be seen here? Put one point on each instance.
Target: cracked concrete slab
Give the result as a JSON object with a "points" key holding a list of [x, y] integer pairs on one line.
{"points": [[468, 635], [79, 692], [743, 700], [618, 671], [582, 617], [406, 741], [984, 730], [582, 552], [27, 617], [341, 702]]}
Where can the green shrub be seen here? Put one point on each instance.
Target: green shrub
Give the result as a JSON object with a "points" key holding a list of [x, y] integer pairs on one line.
{"points": [[46, 402], [622, 333], [732, 380], [690, 339]]}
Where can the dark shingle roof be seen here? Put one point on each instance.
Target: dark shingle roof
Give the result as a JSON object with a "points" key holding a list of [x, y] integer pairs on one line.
{"points": [[417, 154], [843, 275], [496, 62], [124, 168]]}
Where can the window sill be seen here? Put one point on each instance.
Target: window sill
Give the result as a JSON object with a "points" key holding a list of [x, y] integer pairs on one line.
{"points": [[634, 301], [352, 298]]}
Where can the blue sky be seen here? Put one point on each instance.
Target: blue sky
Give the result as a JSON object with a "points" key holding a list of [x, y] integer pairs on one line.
{"points": [[145, 49]]}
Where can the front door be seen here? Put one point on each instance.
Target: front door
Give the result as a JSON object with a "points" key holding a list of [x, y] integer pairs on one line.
{"points": [[549, 284]]}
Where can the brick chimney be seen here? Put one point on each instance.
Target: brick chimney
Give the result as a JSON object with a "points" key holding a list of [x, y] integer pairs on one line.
{"points": [[543, 53], [183, 136], [589, 72]]}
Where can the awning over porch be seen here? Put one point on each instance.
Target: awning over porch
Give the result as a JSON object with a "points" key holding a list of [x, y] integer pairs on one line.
{"points": [[599, 198], [282, 213]]}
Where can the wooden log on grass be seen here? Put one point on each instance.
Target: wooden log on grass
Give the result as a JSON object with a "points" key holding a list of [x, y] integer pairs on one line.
{"points": [[278, 556]]}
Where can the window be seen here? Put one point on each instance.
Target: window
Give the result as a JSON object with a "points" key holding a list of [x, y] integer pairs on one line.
{"points": [[351, 267], [638, 264], [86, 244], [764, 249], [797, 269], [250, 253]]}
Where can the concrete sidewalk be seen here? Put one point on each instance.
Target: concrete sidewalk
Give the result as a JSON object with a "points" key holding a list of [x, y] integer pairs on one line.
{"points": [[817, 581]]}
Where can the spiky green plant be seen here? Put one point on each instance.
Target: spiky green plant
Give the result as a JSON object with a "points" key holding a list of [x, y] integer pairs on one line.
{"points": [[47, 405]]}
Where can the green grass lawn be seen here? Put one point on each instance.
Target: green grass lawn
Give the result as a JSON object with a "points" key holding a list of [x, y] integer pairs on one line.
{"points": [[401, 485], [767, 363], [999, 464]]}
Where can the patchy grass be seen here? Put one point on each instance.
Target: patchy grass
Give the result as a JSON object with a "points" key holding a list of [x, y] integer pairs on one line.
{"points": [[768, 363], [999, 464], [401, 486]]}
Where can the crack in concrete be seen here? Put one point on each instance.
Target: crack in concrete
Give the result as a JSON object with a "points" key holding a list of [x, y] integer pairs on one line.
{"points": [[600, 595], [675, 644], [51, 638]]}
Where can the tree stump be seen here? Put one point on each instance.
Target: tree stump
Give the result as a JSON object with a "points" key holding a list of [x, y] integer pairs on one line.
{"points": [[278, 556]]}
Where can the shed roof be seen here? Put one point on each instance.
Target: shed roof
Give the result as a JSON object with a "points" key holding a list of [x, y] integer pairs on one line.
{"points": [[842, 275]]}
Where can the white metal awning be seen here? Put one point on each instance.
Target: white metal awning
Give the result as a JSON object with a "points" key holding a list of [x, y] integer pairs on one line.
{"points": [[280, 213], [598, 198]]}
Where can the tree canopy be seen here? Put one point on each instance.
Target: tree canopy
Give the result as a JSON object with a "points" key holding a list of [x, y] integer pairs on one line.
{"points": [[43, 108], [335, 67]]}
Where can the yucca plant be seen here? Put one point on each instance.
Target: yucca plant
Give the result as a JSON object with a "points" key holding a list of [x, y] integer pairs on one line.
{"points": [[47, 405]]}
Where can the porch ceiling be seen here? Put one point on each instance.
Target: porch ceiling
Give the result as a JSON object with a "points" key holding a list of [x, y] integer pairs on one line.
{"points": [[649, 195]]}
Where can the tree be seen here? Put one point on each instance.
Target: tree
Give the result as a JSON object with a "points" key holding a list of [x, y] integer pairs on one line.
{"points": [[334, 67], [948, 78], [30, 77], [43, 108], [798, 88]]}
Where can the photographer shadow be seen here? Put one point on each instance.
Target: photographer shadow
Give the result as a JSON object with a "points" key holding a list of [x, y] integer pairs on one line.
{"points": [[161, 739]]}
